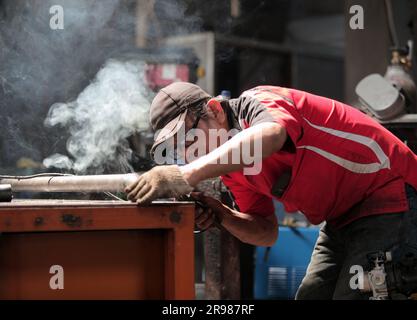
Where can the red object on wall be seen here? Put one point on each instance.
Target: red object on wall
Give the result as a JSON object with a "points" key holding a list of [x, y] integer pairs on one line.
{"points": [[161, 75]]}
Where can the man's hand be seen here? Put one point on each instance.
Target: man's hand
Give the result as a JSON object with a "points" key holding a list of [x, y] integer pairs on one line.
{"points": [[212, 212], [204, 218], [160, 181]]}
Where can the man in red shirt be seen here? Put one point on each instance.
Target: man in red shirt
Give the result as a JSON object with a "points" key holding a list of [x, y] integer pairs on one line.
{"points": [[318, 156]]}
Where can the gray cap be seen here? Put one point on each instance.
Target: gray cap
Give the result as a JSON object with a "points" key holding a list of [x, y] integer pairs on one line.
{"points": [[169, 108]]}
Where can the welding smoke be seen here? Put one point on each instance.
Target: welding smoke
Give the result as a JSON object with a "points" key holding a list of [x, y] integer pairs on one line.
{"points": [[109, 110], [40, 66]]}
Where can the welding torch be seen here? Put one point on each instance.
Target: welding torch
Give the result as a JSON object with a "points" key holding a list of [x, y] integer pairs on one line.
{"points": [[200, 204]]}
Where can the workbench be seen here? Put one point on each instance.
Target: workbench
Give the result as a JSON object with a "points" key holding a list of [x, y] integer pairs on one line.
{"points": [[62, 249]]}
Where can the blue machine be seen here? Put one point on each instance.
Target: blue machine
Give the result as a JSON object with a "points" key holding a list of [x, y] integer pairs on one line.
{"points": [[280, 269]]}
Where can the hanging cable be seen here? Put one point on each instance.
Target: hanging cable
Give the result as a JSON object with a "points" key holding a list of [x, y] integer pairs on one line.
{"points": [[391, 23], [52, 174]]}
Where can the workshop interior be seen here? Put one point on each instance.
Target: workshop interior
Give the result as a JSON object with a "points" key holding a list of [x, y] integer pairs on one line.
{"points": [[77, 79]]}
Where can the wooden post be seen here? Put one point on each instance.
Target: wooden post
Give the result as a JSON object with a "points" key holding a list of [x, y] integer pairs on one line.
{"points": [[144, 12]]}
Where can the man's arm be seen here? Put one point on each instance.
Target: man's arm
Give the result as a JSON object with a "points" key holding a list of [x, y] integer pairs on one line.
{"points": [[270, 136], [173, 181], [253, 229]]}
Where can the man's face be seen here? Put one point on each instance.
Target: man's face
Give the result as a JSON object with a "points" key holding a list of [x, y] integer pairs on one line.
{"points": [[202, 134]]}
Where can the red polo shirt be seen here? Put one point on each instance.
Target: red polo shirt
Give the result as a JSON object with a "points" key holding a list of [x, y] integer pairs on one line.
{"points": [[342, 164]]}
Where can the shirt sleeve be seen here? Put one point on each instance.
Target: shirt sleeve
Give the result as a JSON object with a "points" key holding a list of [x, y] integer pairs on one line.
{"points": [[247, 200], [260, 105]]}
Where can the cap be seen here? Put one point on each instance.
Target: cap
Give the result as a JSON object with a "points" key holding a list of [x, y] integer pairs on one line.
{"points": [[169, 108]]}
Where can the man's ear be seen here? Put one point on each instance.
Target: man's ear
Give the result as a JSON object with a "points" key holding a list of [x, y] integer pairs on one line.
{"points": [[214, 106]]}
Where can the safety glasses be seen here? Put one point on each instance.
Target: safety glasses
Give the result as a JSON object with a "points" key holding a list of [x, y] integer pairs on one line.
{"points": [[177, 155]]}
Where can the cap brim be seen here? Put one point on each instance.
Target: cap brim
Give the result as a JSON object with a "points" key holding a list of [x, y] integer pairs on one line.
{"points": [[169, 130]]}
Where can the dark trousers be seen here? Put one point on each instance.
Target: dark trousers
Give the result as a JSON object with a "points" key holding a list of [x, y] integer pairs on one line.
{"points": [[336, 251]]}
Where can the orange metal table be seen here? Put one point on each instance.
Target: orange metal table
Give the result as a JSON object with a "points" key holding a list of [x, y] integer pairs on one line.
{"points": [[104, 250]]}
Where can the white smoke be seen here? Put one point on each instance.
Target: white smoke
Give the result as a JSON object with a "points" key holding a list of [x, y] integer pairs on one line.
{"points": [[58, 161], [113, 107]]}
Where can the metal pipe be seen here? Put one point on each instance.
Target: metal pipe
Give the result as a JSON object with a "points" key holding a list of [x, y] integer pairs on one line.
{"points": [[88, 183], [6, 194]]}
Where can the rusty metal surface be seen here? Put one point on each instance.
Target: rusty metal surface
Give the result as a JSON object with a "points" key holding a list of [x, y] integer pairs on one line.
{"points": [[95, 241], [61, 215], [35, 203], [96, 265]]}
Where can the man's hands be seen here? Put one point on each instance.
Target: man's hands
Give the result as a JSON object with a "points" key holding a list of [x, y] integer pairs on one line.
{"points": [[160, 181]]}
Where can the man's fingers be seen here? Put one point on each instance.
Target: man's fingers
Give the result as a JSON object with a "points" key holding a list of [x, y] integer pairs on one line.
{"points": [[198, 212], [140, 185], [130, 186], [211, 202], [148, 197], [142, 192], [196, 194], [207, 223], [133, 185], [203, 217], [200, 196]]}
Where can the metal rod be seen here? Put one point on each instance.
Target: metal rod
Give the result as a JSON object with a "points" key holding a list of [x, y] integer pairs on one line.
{"points": [[88, 183], [6, 194]]}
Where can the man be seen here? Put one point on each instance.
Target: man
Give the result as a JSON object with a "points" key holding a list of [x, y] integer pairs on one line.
{"points": [[318, 156]]}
